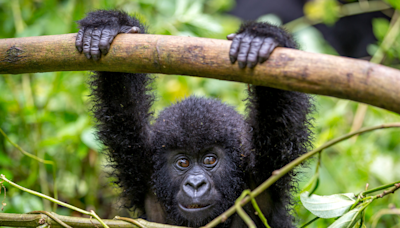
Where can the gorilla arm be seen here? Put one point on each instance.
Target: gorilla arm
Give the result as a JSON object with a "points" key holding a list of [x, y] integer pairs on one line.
{"points": [[121, 105], [278, 118]]}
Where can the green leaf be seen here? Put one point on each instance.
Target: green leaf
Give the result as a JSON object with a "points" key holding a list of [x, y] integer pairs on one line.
{"points": [[205, 22], [380, 27], [350, 218], [88, 137], [26, 202], [331, 12], [394, 3], [328, 206], [312, 185], [360, 223], [327, 11]]}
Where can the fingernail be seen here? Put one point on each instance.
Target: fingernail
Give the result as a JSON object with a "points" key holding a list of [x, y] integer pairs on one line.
{"points": [[79, 48], [261, 60], [106, 50], [233, 59], [251, 64], [231, 36], [87, 55], [242, 65], [136, 29]]}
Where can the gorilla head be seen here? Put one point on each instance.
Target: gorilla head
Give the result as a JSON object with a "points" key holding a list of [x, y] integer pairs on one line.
{"points": [[200, 145]]}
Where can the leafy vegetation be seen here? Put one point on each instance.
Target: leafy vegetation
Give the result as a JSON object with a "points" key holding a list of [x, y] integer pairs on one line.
{"points": [[48, 114]]}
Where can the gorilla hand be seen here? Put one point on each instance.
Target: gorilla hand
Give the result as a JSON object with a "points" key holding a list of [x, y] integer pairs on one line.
{"points": [[98, 30], [254, 43]]}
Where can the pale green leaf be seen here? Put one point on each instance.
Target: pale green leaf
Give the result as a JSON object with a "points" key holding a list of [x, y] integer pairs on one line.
{"points": [[88, 137], [328, 206], [312, 184], [380, 27], [349, 219]]}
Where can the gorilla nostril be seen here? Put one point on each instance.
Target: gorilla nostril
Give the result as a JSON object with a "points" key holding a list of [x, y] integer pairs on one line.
{"points": [[196, 185], [190, 185], [201, 185]]}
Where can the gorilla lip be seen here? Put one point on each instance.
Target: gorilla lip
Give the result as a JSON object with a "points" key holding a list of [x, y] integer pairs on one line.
{"points": [[194, 206]]}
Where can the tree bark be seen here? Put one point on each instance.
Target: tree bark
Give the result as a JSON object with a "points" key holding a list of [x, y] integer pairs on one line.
{"points": [[287, 69]]}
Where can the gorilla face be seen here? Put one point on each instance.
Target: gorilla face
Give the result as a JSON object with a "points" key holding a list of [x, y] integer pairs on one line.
{"points": [[197, 195], [196, 186]]}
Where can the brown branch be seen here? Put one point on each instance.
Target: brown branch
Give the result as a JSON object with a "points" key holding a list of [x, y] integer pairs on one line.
{"points": [[35, 220], [390, 191], [287, 69]]}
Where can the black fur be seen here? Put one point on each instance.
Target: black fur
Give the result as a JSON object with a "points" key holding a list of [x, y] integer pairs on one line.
{"points": [[268, 30], [275, 132], [112, 18], [122, 109]]}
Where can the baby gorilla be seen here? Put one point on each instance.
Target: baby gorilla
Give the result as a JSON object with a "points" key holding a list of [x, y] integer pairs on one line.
{"points": [[197, 157]]}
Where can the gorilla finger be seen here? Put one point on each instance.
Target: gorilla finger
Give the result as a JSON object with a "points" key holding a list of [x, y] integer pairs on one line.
{"points": [[104, 46], [244, 50], [94, 46], [87, 41], [231, 36], [107, 36], [266, 49], [252, 56], [78, 41], [113, 33], [233, 51]]}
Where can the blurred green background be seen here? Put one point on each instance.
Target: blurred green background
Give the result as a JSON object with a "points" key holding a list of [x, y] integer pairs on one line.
{"points": [[48, 114]]}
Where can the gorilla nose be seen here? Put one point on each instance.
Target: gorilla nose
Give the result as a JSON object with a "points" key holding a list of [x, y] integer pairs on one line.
{"points": [[196, 186]]}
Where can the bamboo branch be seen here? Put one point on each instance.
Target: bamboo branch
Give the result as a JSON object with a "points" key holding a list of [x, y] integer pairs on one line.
{"points": [[52, 219], [90, 213], [36, 220], [287, 69]]}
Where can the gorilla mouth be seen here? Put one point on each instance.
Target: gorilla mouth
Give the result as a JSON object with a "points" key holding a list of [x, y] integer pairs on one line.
{"points": [[190, 208], [196, 214], [195, 206]]}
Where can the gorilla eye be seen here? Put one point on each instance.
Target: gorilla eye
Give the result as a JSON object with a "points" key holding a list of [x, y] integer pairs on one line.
{"points": [[209, 160], [183, 162]]}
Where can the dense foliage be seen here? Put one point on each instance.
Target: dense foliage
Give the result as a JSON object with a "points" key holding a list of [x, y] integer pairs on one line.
{"points": [[48, 114]]}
